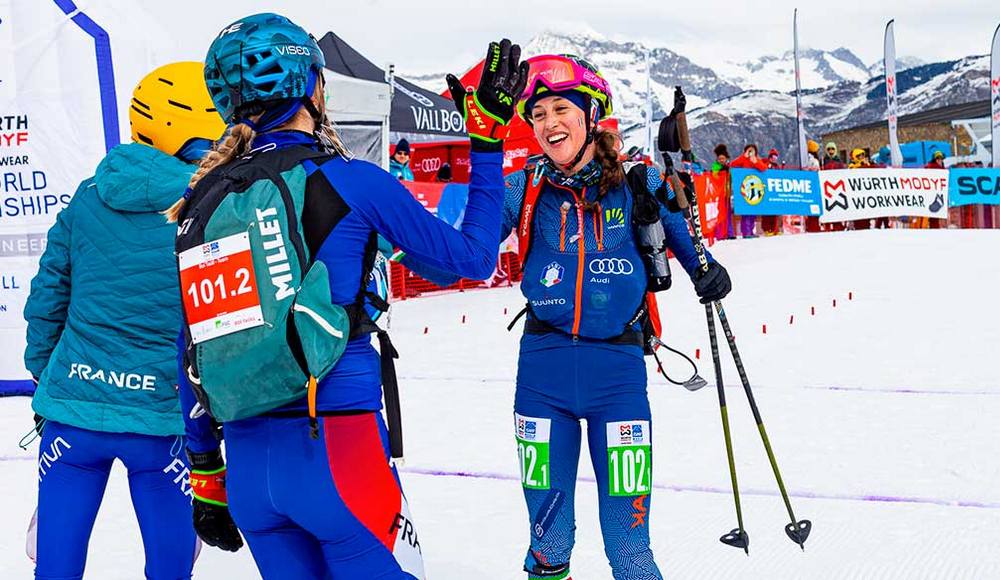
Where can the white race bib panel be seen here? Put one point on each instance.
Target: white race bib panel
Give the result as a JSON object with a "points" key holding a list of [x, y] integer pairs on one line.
{"points": [[532, 434], [219, 288], [630, 458]]}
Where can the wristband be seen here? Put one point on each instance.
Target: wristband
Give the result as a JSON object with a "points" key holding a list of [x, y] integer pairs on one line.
{"points": [[481, 124], [209, 486]]}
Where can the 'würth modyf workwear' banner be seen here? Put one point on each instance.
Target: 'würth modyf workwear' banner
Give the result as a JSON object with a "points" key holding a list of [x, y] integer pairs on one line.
{"points": [[58, 115], [851, 194], [967, 186], [775, 192]]}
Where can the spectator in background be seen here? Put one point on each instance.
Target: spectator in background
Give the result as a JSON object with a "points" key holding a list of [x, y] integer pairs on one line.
{"points": [[937, 160], [774, 160], [832, 159], [812, 164], [771, 224], [748, 160], [721, 158], [443, 174], [859, 160], [633, 155], [721, 165], [399, 165], [812, 159]]}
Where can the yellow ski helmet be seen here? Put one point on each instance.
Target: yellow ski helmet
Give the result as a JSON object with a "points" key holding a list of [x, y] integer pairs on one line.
{"points": [[171, 107]]}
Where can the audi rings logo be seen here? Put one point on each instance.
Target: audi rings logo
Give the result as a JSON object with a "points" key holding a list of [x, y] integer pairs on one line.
{"points": [[619, 266], [430, 165]]}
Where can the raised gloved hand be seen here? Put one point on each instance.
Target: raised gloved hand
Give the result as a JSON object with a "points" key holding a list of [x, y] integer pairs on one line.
{"points": [[488, 109], [713, 284], [212, 520]]}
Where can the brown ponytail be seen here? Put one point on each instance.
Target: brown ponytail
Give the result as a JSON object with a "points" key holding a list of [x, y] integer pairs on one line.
{"points": [[607, 146], [236, 142]]}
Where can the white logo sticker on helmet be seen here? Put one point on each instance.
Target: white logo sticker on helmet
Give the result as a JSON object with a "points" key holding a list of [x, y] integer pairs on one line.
{"points": [[234, 27]]}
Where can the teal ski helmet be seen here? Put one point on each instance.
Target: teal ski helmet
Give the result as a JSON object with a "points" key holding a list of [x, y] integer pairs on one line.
{"points": [[258, 60]]}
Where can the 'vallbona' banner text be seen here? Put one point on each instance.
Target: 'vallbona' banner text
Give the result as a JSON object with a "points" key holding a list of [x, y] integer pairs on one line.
{"points": [[850, 194]]}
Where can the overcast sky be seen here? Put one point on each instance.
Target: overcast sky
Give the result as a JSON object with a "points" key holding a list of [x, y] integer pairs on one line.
{"points": [[441, 35]]}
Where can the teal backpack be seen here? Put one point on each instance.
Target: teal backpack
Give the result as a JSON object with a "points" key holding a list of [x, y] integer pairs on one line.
{"points": [[259, 327]]}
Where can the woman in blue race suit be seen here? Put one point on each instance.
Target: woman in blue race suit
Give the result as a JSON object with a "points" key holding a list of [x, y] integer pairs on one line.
{"points": [[585, 282], [581, 355], [329, 506]]}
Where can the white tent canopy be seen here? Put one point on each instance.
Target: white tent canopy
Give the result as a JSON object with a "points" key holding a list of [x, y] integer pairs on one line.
{"points": [[360, 110]]}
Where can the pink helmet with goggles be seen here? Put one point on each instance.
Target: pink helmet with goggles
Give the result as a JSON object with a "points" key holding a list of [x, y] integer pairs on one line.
{"points": [[565, 72]]}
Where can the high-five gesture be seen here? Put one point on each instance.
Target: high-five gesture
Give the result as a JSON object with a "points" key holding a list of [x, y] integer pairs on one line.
{"points": [[488, 109]]}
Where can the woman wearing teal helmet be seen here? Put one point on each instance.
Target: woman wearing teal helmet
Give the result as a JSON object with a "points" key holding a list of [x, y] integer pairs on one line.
{"points": [[311, 485]]}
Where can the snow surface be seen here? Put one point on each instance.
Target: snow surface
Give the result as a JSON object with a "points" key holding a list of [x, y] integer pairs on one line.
{"points": [[881, 412]]}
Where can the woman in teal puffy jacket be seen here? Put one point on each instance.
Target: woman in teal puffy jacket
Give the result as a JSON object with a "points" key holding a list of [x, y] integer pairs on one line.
{"points": [[102, 322]]}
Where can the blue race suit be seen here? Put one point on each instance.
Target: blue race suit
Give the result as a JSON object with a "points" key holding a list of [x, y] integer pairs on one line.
{"points": [[73, 469], [585, 281], [574, 364], [101, 316], [334, 506]]}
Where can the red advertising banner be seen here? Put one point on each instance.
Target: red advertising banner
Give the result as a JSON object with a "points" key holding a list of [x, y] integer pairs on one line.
{"points": [[427, 158], [428, 194], [713, 204]]}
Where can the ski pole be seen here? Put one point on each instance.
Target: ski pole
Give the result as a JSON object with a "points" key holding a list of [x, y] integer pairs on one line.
{"points": [[737, 537], [797, 530]]}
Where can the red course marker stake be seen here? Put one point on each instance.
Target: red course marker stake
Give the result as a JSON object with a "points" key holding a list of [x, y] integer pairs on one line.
{"points": [[791, 318], [463, 319], [697, 353], [812, 310], [763, 328], [425, 330], [505, 311], [850, 295], [834, 302]]}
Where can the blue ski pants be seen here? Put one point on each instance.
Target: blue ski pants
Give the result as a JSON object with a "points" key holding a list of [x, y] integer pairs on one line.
{"points": [[328, 508], [560, 382], [73, 469]]}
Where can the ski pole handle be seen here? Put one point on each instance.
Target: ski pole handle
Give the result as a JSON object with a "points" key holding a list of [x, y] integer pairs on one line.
{"points": [[682, 132], [678, 187]]}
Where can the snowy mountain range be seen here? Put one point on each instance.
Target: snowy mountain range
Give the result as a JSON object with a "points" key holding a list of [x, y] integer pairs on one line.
{"points": [[902, 63], [753, 101], [819, 69], [768, 117]]}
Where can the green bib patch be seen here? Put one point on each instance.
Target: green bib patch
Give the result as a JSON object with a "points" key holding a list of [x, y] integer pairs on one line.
{"points": [[630, 458], [532, 435]]}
